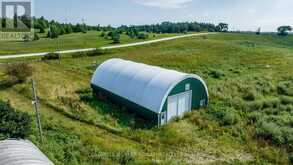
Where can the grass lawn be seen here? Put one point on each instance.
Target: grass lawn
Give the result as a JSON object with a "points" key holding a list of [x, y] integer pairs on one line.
{"points": [[90, 39], [245, 122]]}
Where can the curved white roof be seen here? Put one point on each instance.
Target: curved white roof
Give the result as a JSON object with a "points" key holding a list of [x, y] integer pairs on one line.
{"points": [[147, 86], [21, 152]]}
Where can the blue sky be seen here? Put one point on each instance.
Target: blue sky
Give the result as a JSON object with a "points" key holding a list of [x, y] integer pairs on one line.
{"points": [[240, 14]]}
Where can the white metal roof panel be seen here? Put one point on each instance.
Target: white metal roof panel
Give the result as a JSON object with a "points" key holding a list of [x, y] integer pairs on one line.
{"points": [[21, 152], [142, 84]]}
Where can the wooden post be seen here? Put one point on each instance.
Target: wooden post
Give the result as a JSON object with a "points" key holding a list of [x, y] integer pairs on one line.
{"points": [[36, 107]]}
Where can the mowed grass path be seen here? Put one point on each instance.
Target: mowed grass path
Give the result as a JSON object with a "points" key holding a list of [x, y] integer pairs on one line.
{"points": [[91, 39], [83, 130]]}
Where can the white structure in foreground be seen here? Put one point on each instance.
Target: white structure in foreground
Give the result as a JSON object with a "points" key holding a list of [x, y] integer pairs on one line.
{"points": [[21, 152]]}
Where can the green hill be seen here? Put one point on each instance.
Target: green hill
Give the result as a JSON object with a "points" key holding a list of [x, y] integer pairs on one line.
{"points": [[91, 39], [248, 121]]}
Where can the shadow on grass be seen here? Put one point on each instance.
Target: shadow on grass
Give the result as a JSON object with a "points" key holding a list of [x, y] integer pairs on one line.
{"points": [[123, 116], [4, 84]]}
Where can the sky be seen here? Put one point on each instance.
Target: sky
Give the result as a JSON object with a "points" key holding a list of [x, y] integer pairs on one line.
{"points": [[245, 15]]}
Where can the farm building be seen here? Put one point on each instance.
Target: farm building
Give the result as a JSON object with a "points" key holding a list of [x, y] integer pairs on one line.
{"points": [[21, 152], [152, 92]]}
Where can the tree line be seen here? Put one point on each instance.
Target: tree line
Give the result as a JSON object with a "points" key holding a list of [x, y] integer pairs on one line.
{"points": [[181, 27], [54, 28]]}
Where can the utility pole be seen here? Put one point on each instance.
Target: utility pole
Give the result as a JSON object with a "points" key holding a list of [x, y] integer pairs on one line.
{"points": [[35, 103]]}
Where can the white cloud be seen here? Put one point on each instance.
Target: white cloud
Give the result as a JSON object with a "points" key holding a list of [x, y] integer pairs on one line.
{"points": [[251, 11], [164, 4]]}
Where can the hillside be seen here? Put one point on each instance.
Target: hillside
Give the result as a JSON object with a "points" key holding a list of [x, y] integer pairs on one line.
{"points": [[248, 121], [91, 39]]}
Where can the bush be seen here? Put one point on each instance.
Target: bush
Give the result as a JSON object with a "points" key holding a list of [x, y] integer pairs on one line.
{"points": [[280, 135], [78, 55], [217, 74], [270, 131], [51, 56], [53, 32], [103, 34], [96, 52], [254, 117], [290, 158], [250, 95], [142, 36], [116, 38], [125, 157], [271, 103], [225, 115], [36, 37], [286, 100], [285, 88], [230, 118], [91, 53], [18, 73], [254, 106], [13, 124]]}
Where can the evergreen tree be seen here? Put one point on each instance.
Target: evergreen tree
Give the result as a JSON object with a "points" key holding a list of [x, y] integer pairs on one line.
{"points": [[284, 30], [53, 32], [116, 37], [222, 27]]}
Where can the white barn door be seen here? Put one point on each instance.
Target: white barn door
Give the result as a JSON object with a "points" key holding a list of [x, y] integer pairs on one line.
{"points": [[172, 107], [179, 104]]}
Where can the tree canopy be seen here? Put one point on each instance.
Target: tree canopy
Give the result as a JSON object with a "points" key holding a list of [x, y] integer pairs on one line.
{"points": [[222, 27], [284, 30], [13, 124]]}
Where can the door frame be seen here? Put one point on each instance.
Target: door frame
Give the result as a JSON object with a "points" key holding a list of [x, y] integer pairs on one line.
{"points": [[177, 96], [189, 101]]}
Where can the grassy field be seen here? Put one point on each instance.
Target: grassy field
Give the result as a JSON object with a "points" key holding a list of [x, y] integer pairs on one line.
{"points": [[248, 121], [91, 39]]}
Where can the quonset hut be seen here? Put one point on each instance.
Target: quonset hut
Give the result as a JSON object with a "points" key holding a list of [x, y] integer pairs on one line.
{"points": [[21, 152], [152, 92]]}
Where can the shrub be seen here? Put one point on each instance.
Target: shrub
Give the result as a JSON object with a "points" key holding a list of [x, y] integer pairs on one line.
{"points": [[286, 100], [91, 53], [254, 117], [280, 135], [230, 118], [285, 88], [271, 103], [18, 73], [142, 36], [224, 115], [250, 95], [13, 124], [290, 158], [51, 56], [270, 131], [123, 157], [103, 34], [217, 74], [96, 52], [78, 55], [53, 32], [36, 37], [116, 38], [254, 106]]}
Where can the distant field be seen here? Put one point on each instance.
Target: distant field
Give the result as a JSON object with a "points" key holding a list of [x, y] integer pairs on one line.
{"points": [[248, 121], [90, 39]]}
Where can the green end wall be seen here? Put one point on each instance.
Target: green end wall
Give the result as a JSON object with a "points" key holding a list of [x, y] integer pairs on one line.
{"points": [[198, 93]]}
